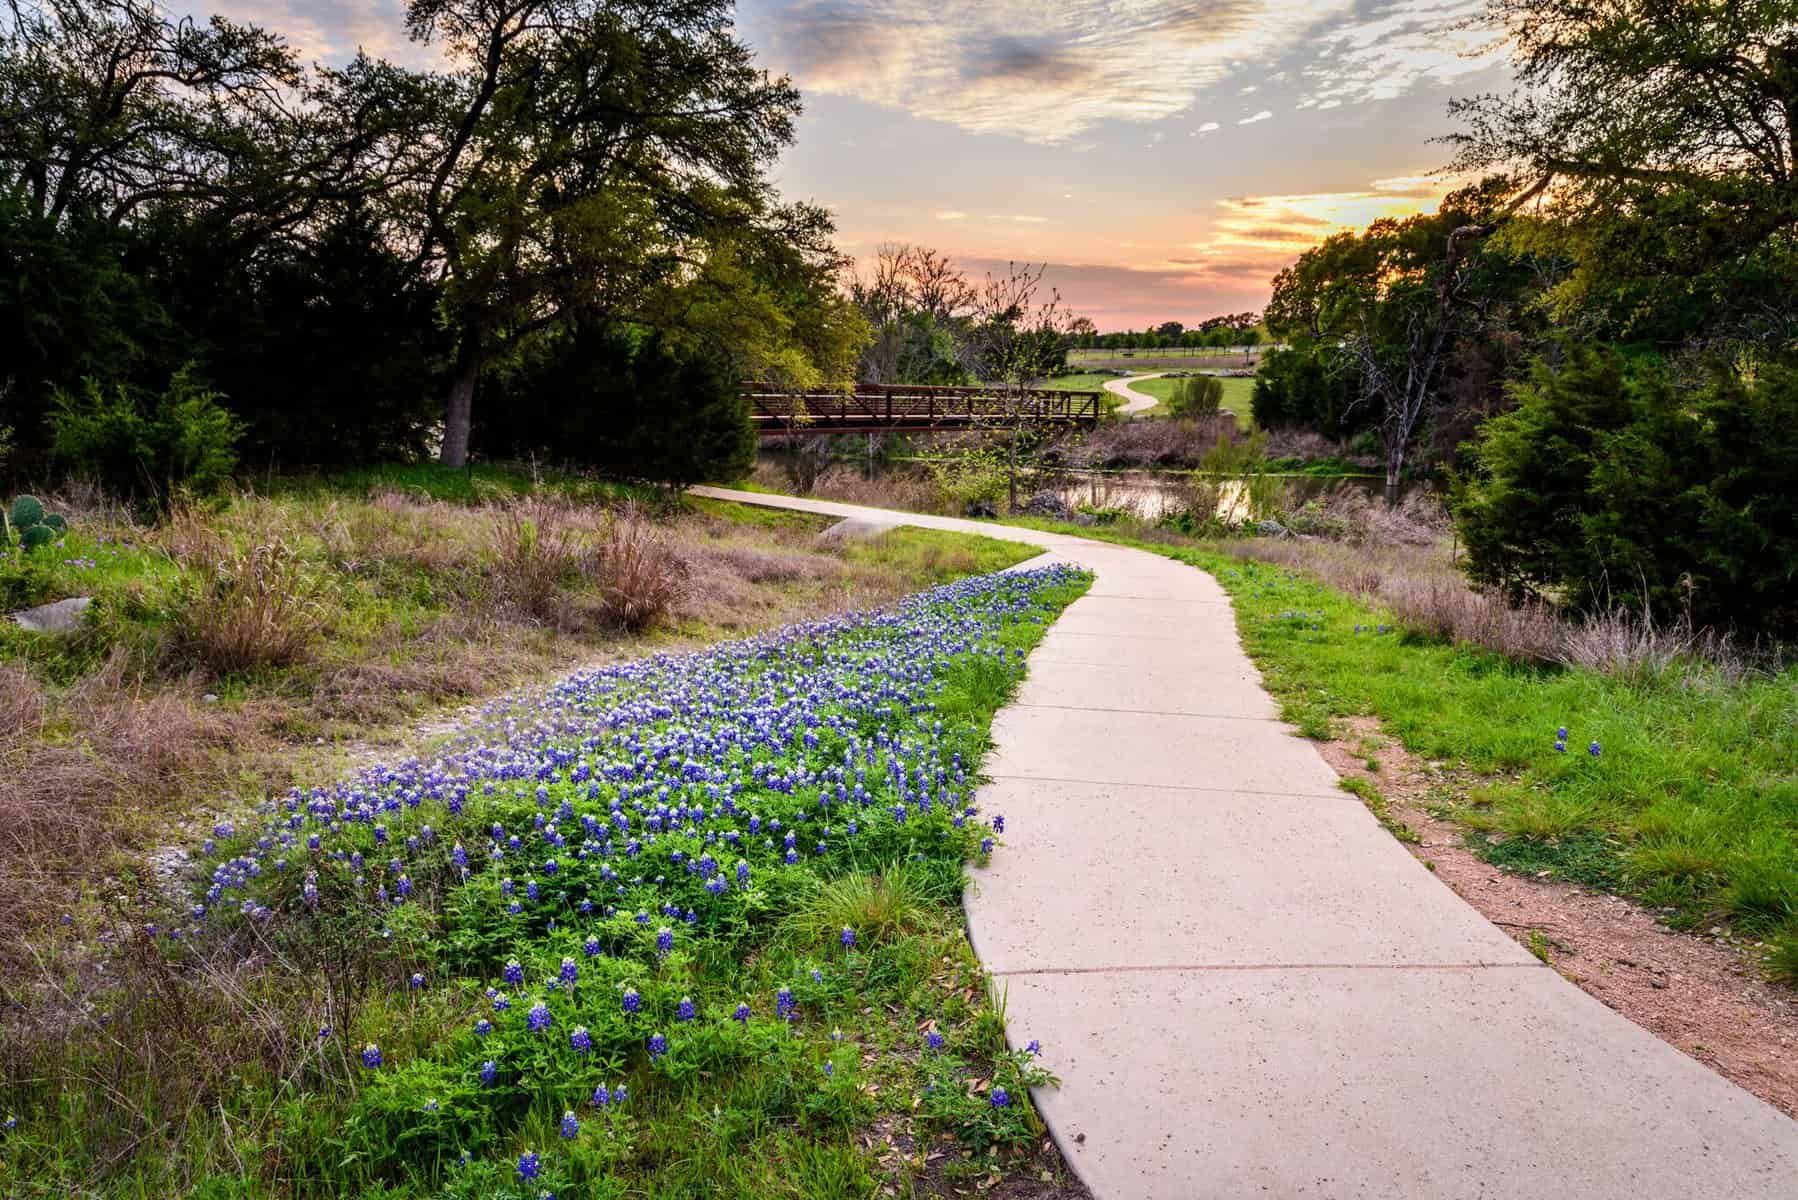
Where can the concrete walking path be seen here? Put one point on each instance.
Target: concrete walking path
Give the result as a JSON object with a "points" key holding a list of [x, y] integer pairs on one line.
{"points": [[1134, 401], [1247, 987]]}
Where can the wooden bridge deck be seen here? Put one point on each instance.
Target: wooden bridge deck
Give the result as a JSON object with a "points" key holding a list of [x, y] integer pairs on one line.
{"points": [[876, 408]]}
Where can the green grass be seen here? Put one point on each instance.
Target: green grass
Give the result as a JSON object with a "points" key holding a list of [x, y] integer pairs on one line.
{"points": [[1692, 805], [1237, 394], [761, 1108]]}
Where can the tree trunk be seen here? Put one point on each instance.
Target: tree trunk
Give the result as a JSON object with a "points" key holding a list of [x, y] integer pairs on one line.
{"points": [[1395, 465], [458, 413]]}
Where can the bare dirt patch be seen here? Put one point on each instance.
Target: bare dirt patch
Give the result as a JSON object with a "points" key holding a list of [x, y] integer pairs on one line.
{"points": [[1702, 994]]}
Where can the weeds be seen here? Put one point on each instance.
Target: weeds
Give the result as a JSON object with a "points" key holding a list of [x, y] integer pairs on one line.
{"points": [[639, 576], [259, 608]]}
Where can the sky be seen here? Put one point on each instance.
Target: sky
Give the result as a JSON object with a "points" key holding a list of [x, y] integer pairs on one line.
{"points": [[1161, 160]]}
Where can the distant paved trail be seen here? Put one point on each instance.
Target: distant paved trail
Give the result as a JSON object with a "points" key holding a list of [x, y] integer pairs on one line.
{"points": [[1247, 987], [1134, 401]]}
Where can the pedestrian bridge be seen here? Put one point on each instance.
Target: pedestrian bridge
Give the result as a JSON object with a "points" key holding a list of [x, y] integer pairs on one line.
{"points": [[878, 408]]}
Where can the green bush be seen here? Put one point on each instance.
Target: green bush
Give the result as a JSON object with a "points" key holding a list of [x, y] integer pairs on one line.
{"points": [[1306, 386], [1611, 483], [629, 405], [1197, 396], [183, 438]]}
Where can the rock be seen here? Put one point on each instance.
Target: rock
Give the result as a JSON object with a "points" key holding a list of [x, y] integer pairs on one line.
{"points": [[855, 529], [63, 616], [1047, 504], [209, 698], [1271, 529], [979, 508]]}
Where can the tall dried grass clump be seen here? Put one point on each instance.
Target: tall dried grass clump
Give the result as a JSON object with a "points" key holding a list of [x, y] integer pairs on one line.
{"points": [[640, 576], [1424, 591], [538, 552], [257, 609]]}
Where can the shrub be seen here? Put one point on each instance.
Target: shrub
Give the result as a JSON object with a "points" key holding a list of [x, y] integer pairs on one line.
{"points": [[184, 438], [1611, 484], [538, 553], [256, 610], [633, 407], [640, 576], [1196, 396], [1308, 386]]}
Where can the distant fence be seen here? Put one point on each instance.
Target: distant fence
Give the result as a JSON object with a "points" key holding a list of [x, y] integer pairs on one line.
{"points": [[876, 408]]}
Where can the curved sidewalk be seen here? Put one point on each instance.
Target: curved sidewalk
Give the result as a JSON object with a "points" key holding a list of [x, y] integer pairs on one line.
{"points": [[1134, 401], [1247, 987]]}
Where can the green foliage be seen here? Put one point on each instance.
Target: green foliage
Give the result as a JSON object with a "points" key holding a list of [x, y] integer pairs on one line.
{"points": [[628, 404], [1308, 385], [1614, 484], [1196, 396], [29, 526], [183, 438]]}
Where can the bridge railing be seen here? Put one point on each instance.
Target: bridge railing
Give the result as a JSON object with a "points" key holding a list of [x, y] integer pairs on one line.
{"points": [[874, 406]]}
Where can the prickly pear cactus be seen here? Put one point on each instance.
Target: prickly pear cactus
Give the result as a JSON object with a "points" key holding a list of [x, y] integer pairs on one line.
{"points": [[29, 525]]}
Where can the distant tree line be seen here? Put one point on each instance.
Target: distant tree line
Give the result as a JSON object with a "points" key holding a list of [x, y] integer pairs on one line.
{"points": [[1221, 332], [1598, 340], [562, 240]]}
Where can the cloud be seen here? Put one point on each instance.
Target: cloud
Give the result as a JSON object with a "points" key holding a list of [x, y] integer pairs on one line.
{"points": [[327, 30], [1396, 47], [1263, 115], [951, 215], [1081, 62]]}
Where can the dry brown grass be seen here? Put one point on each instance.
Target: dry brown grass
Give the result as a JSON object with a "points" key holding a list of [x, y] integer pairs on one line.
{"points": [[639, 575], [1153, 443], [537, 552], [258, 608]]}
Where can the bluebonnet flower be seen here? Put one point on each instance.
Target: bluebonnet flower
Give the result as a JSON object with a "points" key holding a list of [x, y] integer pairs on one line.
{"points": [[591, 946], [489, 1072], [632, 1001], [986, 845], [684, 1011], [847, 937], [933, 1040], [618, 1096], [1561, 734], [1035, 1047], [538, 1018], [483, 1027], [658, 1046], [1592, 749], [430, 1106], [514, 972], [783, 1003], [418, 980], [571, 1128], [742, 873], [570, 972], [500, 1002], [998, 823], [1000, 1098], [371, 1056], [580, 1040], [324, 1033], [601, 1097], [529, 1165], [742, 1013], [817, 975], [664, 940]]}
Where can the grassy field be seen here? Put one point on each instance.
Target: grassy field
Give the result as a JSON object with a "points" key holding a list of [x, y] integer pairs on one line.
{"points": [[295, 634], [1237, 394], [797, 1014], [1689, 805]]}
